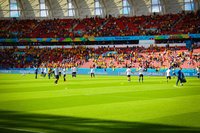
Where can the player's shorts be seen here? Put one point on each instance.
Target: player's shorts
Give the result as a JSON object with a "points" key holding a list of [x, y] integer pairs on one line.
{"points": [[141, 75], [60, 73], [168, 77], [128, 75], [57, 76], [74, 74]]}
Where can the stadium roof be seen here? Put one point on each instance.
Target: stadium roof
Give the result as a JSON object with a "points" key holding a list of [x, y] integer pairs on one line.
{"points": [[83, 8]]}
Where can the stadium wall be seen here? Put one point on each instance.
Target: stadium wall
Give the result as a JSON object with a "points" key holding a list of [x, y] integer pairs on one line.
{"points": [[97, 46], [98, 71]]}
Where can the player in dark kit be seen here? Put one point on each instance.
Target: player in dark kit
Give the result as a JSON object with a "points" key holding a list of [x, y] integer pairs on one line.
{"points": [[36, 72], [180, 77], [49, 72]]}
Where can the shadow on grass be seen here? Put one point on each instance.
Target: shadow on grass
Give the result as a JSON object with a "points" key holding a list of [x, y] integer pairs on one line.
{"points": [[18, 122]]}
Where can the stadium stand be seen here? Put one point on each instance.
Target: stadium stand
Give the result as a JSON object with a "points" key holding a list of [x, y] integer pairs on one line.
{"points": [[152, 57], [185, 22], [110, 26]]}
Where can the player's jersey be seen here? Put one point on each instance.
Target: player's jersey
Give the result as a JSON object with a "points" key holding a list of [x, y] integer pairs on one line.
{"points": [[45, 70], [60, 69], [198, 70], [42, 69], [168, 72], [128, 71], [36, 70], [92, 70], [56, 71], [141, 70], [64, 71], [74, 69]]}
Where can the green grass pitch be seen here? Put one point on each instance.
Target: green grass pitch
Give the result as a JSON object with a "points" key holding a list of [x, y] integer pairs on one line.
{"points": [[103, 104]]}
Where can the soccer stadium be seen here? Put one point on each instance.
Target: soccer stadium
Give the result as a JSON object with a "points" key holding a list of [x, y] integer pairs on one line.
{"points": [[99, 66]]}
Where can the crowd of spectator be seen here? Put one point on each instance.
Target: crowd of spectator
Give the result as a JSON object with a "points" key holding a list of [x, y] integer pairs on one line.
{"points": [[155, 24], [32, 56], [152, 57]]}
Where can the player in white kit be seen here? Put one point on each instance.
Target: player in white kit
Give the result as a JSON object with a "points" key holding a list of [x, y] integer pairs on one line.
{"points": [[168, 74], [128, 73]]}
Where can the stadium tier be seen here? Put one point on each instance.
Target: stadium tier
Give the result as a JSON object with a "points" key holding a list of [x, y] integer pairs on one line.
{"points": [[182, 23], [102, 57]]}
